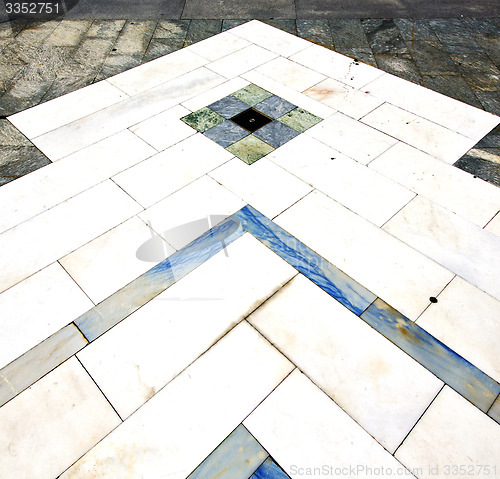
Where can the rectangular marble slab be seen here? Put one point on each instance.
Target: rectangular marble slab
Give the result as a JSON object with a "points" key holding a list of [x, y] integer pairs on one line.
{"points": [[218, 46], [135, 359], [460, 246], [67, 410], [332, 346], [455, 371], [67, 108], [301, 427], [389, 268], [92, 128], [47, 187], [182, 424], [40, 241], [37, 362]]}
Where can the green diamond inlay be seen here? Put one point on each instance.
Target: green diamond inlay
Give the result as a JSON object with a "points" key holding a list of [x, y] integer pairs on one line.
{"points": [[300, 120], [250, 149], [202, 120], [252, 94]]}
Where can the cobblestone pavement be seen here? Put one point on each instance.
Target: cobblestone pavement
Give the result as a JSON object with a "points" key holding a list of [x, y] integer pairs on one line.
{"points": [[43, 60]]}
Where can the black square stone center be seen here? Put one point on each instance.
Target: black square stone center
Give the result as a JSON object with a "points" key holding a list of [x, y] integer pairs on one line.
{"points": [[251, 120]]}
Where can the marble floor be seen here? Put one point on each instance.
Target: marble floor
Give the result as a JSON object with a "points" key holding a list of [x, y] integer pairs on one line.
{"points": [[316, 295]]}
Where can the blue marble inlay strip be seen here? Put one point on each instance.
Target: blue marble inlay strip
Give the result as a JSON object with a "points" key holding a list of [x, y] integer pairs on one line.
{"points": [[124, 302], [329, 278], [454, 370], [237, 457], [270, 470]]}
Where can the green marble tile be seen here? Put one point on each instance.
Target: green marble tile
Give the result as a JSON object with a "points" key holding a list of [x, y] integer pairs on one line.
{"points": [[202, 120], [250, 149], [300, 120], [252, 94]]}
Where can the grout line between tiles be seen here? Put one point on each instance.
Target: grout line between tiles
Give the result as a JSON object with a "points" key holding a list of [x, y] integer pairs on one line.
{"points": [[74, 280], [418, 420]]}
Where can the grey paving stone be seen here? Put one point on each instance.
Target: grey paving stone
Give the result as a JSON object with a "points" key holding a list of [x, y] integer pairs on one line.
{"points": [[238, 9], [383, 36], [454, 35], [115, 64], [23, 94], [490, 101], [119, 9], [11, 29], [162, 46], [412, 29], [474, 62], [318, 31], [200, 29], [286, 25], [484, 169], [357, 9], [106, 28], [92, 52], [402, 66], [226, 133], [62, 86], [7, 74], [11, 136], [171, 29], [228, 106], [364, 55], [17, 161], [134, 38], [276, 134], [482, 26], [348, 33], [228, 24], [431, 58], [490, 46], [68, 33], [274, 107], [453, 86], [484, 82]]}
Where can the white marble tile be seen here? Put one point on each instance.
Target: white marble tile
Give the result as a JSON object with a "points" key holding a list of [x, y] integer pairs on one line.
{"points": [[303, 429], [46, 187], [453, 114], [40, 241], [267, 187], [36, 308], [460, 246], [67, 108], [114, 259], [115, 118], [182, 424], [291, 74], [344, 98], [446, 185], [158, 71], [182, 217], [423, 134], [241, 61], [453, 438], [494, 225], [147, 350], [218, 46], [356, 140], [390, 391], [355, 186], [337, 66], [289, 94], [165, 129], [212, 95], [51, 424], [466, 320], [272, 38], [171, 170], [392, 270]]}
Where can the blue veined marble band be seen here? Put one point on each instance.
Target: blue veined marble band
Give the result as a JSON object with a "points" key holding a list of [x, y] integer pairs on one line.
{"points": [[454, 370], [270, 470], [124, 302], [331, 279], [237, 457]]}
